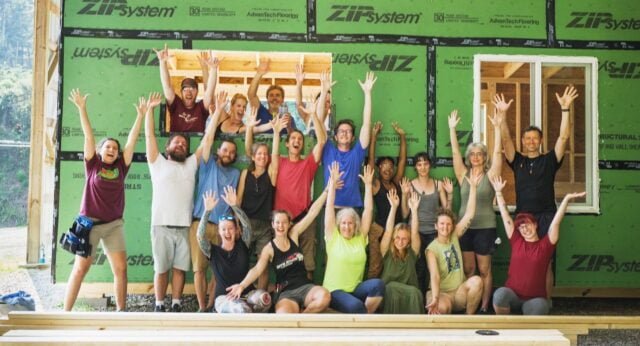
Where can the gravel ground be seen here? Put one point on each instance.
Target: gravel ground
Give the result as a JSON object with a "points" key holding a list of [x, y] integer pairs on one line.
{"points": [[49, 296]]}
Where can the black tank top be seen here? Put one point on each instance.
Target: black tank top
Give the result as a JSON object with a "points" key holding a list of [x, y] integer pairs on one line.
{"points": [[289, 267], [257, 201], [382, 205], [229, 267]]}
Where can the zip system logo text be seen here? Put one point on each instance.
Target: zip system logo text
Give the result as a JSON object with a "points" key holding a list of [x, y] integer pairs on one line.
{"points": [[141, 57], [621, 70], [596, 263], [368, 14], [122, 8], [606, 20]]}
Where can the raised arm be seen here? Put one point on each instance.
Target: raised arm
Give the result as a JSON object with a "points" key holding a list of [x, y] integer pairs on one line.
{"points": [[414, 203], [470, 212], [314, 210], [163, 60], [498, 185], [278, 124], [211, 81], [565, 101], [299, 104], [89, 140], [252, 93], [447, 187], [554, 227], [141, 110], [405, 185], [252, 122], [367, 213], [325, 88], [496, 157], [458, 162], [149, 128], [365, 130], [377, 127], [210, 201], [204, 149], [501, 108], [402, 153], [235, 291], [329, 210], [394, 201], [231, 198]]}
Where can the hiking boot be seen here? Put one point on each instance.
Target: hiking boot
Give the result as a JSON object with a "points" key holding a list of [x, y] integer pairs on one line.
{"points": [[160, 308]]}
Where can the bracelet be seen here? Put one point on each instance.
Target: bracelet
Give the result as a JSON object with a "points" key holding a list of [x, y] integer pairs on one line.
{"points": [[565, 109]]}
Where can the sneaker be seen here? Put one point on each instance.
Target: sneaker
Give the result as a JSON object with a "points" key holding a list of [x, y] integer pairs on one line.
{"points": [[484, 312], [176, 308], [160, 308]]}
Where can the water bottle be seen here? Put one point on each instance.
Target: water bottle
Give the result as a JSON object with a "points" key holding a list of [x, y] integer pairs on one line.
{"points": [[41, 259]]}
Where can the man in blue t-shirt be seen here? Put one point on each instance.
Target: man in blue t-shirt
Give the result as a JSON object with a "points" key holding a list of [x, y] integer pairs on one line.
{"points": [[350, 158], [275, 99]]}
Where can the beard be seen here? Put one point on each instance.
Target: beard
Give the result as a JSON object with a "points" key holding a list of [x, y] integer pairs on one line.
{"points": [[176, 155]]}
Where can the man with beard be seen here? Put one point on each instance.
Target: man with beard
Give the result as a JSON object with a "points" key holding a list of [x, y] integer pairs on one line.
{"points": [[295, 175], [173, 182], [275, 99], [214, 176], [185, 113]]}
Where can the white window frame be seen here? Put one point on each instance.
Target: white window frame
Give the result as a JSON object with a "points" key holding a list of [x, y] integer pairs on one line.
{"points": [[592, 178]]}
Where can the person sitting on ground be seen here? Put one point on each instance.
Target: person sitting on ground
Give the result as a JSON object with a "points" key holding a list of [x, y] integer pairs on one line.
{"points": [[185, 113], [294, 291], [525, 289], [346, 238], [402, 295], [478, 243], [230, 259], [103, 200], [450, 292], [388, 179]]}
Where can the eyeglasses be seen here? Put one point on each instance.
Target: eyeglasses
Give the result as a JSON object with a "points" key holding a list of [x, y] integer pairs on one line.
{"points": [[226, 218], [189, 87], [345, 132]]}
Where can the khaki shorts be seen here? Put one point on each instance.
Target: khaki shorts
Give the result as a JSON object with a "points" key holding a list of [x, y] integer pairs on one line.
{"points": [[170, 247], [110, 234], [198, 259], [457, 297], [261, 235]]}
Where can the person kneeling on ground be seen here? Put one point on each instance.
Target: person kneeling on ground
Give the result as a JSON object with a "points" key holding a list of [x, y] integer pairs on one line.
{"points": [[449, 290], [525, 287], [230, 259]]}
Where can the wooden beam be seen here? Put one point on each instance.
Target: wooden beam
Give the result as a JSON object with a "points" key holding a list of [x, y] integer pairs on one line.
{"points": [[549, 72], [37, 131], [510, 68]]}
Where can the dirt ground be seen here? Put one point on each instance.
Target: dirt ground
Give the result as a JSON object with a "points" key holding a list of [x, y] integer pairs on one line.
{"points": [[49, 296]]}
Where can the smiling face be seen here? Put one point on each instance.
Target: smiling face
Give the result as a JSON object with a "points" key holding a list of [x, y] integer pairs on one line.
{"points": [[176, 149], [261, 156], [531, 142], [444, 226], [402, 239], [238, 108], [227, 153], [423, 167], [348, 222], [476, 155], [275, 97], [386, 169], [228, 231], [109, 151], [281, 224], [527, 226], [344, 135], [295, 143]]}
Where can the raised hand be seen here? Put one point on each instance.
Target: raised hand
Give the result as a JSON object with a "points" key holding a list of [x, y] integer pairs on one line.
{"points": [[203, 57], [78, 99], [154, 100], [141, 106], [497, 118], [369, 81], [573, 195], [414, 201], [213, 63], [397, 128], [447, 184], [252, 118], [367, 175], [163, 54], [335, 176], [570, 94], [377, 127], [498, 183], [299, 74], [310, 106], [453, 119], [278, 123], [325, 81], [210, 200], [229, 196], [501, 105], [405, 185], [221, 100], [263, 66], [392, 197]]}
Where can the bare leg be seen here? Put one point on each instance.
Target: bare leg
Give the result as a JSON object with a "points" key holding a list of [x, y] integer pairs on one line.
{"points": [[160, 282], [372, 304], [200, 284], [287, 306], [484, 267], [501, 311], [211, 290], [118, 261], [177, 283], [81, 267], [469, 262], [317, 300], [472, 290]]}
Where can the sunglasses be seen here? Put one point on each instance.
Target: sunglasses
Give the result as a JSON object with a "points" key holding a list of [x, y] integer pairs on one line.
{"points": [[226, 218]]}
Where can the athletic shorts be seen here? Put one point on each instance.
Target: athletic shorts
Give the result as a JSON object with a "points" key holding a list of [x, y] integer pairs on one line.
{"points": [[482, 241], [198, 259], [170, 247], [261, 235], [298, 295], [110, 234]]}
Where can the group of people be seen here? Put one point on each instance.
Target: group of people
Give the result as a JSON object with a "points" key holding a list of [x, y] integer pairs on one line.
{"points": [[207, 213]]}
